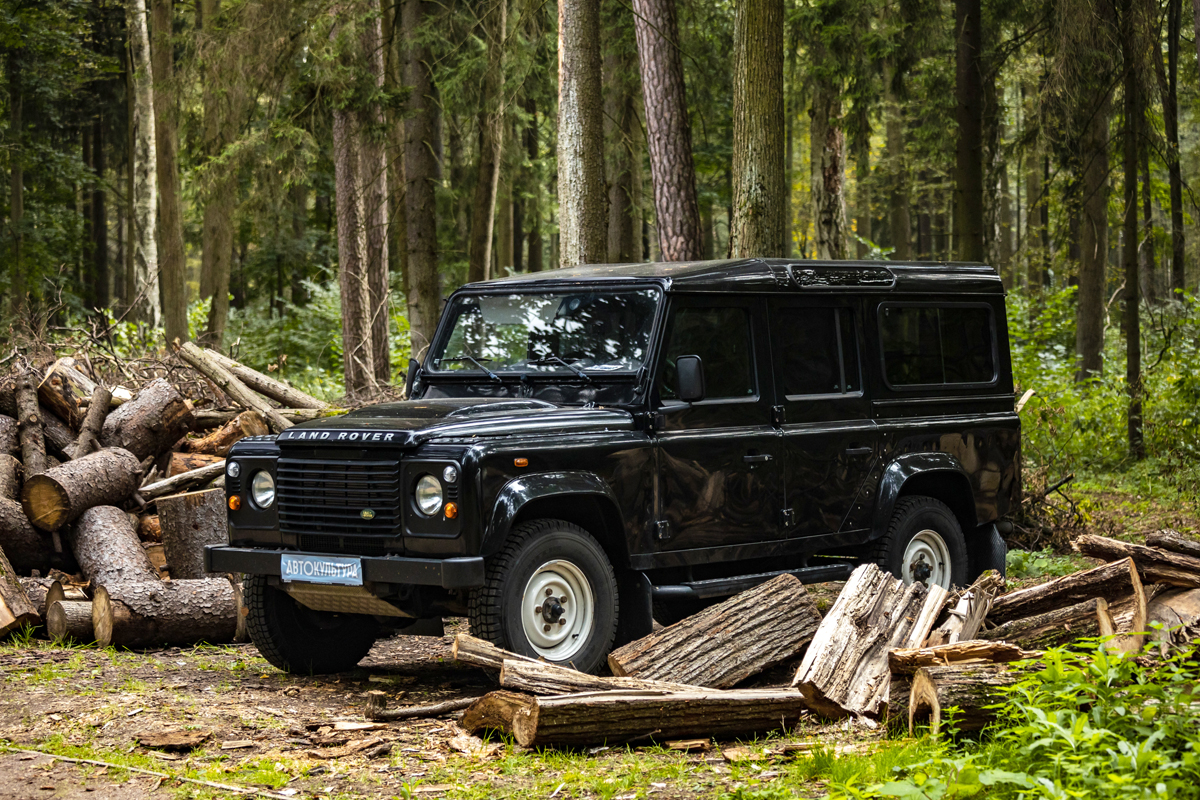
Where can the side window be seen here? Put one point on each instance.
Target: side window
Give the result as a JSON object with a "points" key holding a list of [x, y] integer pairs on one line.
{"points": [[818, 353], [929, 345], [721, 337]]}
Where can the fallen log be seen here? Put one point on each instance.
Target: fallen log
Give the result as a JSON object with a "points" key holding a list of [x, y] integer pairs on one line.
{"points": [[10, 477], [267, 386], [478, 653], [60, 495], [969, 688], [1164, 540], [149, 528], [217, 443], [107, 548], [71, 621], [1109, 581], [906, 662], [149, 613], [36, 590], [16, 609], [29, 425], [1155, 565], [184, 482], [377, 710], [724, 644], [64, 390], [494, 711], [1057, 627], [150, 423], [233, 387], [968, 611], [845, 669], [10, 436], [189, 522], [92, 425], [27, 547], [57, 434], [539, 677], [180, 463]]}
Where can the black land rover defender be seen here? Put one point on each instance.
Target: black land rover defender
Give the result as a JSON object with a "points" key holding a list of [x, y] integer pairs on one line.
{"points": [[590, 448]]}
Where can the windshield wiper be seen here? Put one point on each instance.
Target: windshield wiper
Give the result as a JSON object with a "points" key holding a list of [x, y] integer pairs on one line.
{"points": [[553, 359], [478, 364]]}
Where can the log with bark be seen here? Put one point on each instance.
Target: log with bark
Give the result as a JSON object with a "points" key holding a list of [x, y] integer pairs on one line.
{"points": [[106, 477], [65, 390], [151, 613], [184, 482], [60, 591], [16, 609], [537, 677], [150, 423], [10, 437], [1057, 627], [92, 425], [377, 710], [107, 548], [845, 669], [57, 434], [1173, 617], [1154, 564], [969, 688], [968, 611], [1164, 540], [494, 711], [1109, 581], [10, 477], [149, 528], [28, 548], [267, 386], [724, 644], [978, 651], [189, 522], [479, 653], [36, 590], [207, 419], [29, 425], [232, 386], [71, 621], [218, 442], [180, 463]]}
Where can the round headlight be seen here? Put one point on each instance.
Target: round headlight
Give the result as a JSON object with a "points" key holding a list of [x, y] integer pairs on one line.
{"points": [[233, 469], [450, 474], [262, 489], [429, 495]]}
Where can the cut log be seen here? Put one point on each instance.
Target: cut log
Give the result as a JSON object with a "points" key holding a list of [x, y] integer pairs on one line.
{"points": [[29, 424], [150, 423], [1164, 540], [60, 591], [724, 644], [36, 590], [10, 436], [378, 711], [478, 653], [537, 677], [968, 611], [107, 548], [1057, 627], [970, 688], [180, 463], [184, 482], [71, 621], [106, 477], [217, 443], [1130, 618], [265, 385], [10, 477], [149, 528], [16, 609], [906, 662], [494, 711], [27, 547], [233, 387], [65, 390], [152, 613], [1155, 565], [58, 435], [845, 669], [189, 522], [92, 425], [576, 720], [1109, 581]]}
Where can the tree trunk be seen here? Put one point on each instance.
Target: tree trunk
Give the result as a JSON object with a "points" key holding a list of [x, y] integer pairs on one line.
{"points": [[357, 352], [150, 423], [421, 176], [1147, 266], [30, 422], [974, 690], [393, 82], [285, 395], [26, 547], [10, 437], [170, 230], [759, 196], [1109, 581], [153, 613], [70, 621], [1056, 627], [61, 494], [968, 171], [107, 548], [1093, 256], [621, 132], [373, 173], [726, 643], [494, 711], [897, 171], [493, 28], [16, 181], [828, 172], [536, 261], [503, 260], [65, 390], [189, 522], [217, 443], [1168, 83], [145, 302], [1154, 565], [100, 276], [668, 130], [862, 196], [583, 228], [93, 423], [229, 384], [479, 653], [35, 590], [1132, 145]]}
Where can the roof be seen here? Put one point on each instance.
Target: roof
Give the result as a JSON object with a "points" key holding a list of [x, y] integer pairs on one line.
{"points": [[773, 274]]}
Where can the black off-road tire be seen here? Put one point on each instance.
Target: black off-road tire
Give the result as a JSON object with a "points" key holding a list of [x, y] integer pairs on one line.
{"points": [[987, 550], [495, 608], [912, 515], [300, 640]]}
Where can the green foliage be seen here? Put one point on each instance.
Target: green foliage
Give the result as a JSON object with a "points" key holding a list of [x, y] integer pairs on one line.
{"points": [[1041, 563]]}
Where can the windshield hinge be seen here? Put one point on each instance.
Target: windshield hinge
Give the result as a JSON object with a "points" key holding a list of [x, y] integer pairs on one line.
{"points": [[778, 416]]}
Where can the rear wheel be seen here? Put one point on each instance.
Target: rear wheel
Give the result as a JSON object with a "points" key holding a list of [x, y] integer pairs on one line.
{"points": [[924, 543], [297, 639]]}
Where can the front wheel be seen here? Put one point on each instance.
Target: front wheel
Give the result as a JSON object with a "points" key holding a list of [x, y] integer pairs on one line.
{"points": [[550, 593], [924, 543]]}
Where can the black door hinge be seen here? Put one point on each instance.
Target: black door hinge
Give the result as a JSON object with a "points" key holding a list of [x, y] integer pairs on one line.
{"points": [[788, 517], [663, 531], [778, 416]]}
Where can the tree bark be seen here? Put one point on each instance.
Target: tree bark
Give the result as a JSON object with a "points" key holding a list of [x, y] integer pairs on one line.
{"points": [[493, 28], [393, 83], [152, 613], [57, 435], [494, 711], [29, 420], [10, 477], [285, 395], [144, 243], [583, 234], [968, 172], [65, 390], [107, 548], [36, 590], [16, 609], [479, 653], [373, 171], [357, 352], [1155, 565], [906, 662], [1057, 627], [184, 482], [536, 261], [828, 172], [897, 170], [26, 547], [1108, 581], [233, 387], [16, 180], [70, 621], [759, 195], [61, 494], [1168, 83], [189, 522], [170, 229], [100, 276], [377, 709], [217, 443], [1129, 256], [668, 130], [621, 132], [1166, 540], [150, 423], [1093, 256], [538, 677], [93, 425], [421, 176], [10, 436], [726, 643], [974, 690]]}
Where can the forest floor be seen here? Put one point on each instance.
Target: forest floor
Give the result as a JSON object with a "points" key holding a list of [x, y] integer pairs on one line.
{"points": [[277, 733]]}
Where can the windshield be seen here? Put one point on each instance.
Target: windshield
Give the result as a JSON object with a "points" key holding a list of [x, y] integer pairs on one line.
{"points": [[574, 333]]}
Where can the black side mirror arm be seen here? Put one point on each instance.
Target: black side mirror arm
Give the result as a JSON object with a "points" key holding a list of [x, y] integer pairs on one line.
{"points": [[414, 371]]}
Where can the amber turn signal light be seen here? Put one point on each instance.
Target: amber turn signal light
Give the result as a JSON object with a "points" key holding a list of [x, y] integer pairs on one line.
{"points": [[235, 503], [451, 510], [520, 462]]}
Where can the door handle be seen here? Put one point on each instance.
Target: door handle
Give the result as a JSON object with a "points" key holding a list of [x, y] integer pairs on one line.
{"points": [[859, 451], [758, 459]]}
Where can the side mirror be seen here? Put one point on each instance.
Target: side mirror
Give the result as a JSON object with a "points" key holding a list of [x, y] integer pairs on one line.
{"points": [[414, 367], [689, 378]]}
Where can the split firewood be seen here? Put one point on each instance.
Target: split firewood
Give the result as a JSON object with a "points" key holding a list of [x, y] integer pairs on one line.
{"points": [[57, 434], [149, 613], [36, 590], [150, 423], [71, 621], [1056, 627], [217, 443], [494, 711], [968, 610], [1109, 581], [478, 653], [10, 437], [180, 463], [969, 688], [724, 644], [267, 386], [92, 425], [184, 482], [189, 522], [16, 609], [232, 386], [10, 477], [1130, 618], [59, 591], [29, 423], [27, 547], [1164, 540], [377, 710], [149, 528], [105, 477], [845, 669], [539, 677], [906, 662], [64, 390], [1155, 565], [107, 548]]}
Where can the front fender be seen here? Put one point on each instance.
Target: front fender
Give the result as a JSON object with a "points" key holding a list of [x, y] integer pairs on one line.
{"points": [[900, 471], [520, 491]]}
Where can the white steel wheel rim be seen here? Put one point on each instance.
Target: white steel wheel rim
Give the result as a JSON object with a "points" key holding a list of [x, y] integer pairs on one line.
{"points": [[927, 550], [558, 610]]}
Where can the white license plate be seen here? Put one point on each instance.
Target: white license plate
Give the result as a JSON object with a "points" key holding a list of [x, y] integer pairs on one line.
{"points": [[321, 569]]}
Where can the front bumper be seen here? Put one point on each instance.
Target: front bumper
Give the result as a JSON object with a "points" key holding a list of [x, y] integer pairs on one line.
{"points": [[449, 573]]}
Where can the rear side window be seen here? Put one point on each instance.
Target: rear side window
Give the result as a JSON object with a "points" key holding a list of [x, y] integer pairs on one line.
{"points": [[925, 345], [817, 350], [721, 337]]}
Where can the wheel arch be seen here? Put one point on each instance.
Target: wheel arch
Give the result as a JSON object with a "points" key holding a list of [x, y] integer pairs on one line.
{"points": [[936, 475]]}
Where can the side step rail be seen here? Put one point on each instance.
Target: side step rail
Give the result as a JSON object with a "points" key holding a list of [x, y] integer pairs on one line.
{"points": [[724, 587]]}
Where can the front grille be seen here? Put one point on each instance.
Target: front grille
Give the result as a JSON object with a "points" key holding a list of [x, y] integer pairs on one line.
{"points": [[329, 497], [357, 545]]}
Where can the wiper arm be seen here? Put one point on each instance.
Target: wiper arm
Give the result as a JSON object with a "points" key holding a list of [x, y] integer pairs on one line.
{"points": [[553, 359], [478, 364]]}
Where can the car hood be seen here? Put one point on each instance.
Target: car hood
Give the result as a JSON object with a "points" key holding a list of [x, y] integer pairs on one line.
{"points": [[411, 422]]}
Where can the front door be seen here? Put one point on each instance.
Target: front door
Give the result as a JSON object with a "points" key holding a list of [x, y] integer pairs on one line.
{"points": [[719, 459]]}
